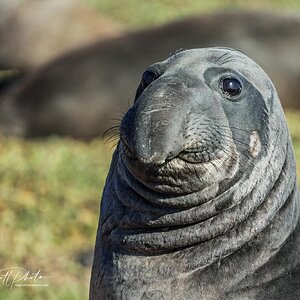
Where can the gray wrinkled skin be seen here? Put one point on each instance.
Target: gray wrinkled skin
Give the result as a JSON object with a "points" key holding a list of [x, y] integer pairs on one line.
{"points": [[201, 201]]}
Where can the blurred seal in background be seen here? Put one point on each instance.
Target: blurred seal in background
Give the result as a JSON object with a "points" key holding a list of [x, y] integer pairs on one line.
{"points": [[33, 32], [78, 94]]}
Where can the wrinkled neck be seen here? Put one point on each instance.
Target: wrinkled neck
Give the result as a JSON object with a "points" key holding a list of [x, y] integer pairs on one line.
{"points": [[149, 224]]}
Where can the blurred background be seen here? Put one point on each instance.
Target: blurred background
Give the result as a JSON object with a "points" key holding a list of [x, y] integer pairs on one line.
{"points": [[68, 72]]}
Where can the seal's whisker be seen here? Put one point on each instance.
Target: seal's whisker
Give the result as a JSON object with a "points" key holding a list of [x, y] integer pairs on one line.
{"points": [[111, 130], [112, 141], [113, 138], [113, 146]]}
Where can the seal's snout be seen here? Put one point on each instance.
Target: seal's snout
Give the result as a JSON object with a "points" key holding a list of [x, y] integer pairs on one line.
{"points": [[153, 141], [153, 128]]}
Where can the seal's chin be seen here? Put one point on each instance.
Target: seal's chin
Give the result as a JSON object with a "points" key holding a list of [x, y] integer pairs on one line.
{"points": [[188, 172]]}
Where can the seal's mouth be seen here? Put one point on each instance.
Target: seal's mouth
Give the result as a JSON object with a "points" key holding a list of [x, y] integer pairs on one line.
{"points": [[189, 171], [199, 156], [191, 155]]}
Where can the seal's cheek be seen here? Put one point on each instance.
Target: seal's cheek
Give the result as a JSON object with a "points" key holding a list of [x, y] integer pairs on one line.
{"points": [[254, 144]]}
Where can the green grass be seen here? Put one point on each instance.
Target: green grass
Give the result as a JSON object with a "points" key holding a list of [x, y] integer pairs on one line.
{"points": [[135, 13], [49, 201], [49, 204]]}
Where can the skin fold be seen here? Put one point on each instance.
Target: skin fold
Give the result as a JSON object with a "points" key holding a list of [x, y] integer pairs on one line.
{"points": [[201, 200]]}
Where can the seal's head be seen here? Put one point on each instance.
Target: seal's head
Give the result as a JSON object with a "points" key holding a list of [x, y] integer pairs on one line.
{"points": [[199, 118]]}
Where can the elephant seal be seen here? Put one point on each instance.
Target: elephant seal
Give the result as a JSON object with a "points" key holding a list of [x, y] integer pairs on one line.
{"points": [[201, 200]]}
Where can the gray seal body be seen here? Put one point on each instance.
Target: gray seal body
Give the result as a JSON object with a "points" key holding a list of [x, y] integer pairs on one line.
{"points": [[201, 200]]}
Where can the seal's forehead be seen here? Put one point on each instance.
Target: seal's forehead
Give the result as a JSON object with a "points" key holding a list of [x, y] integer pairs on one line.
{"points": [[202, 57], [199, 60]]}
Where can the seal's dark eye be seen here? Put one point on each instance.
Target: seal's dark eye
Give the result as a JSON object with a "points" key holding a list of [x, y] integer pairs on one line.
{"points": [[147, 78], [231, 86]]}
